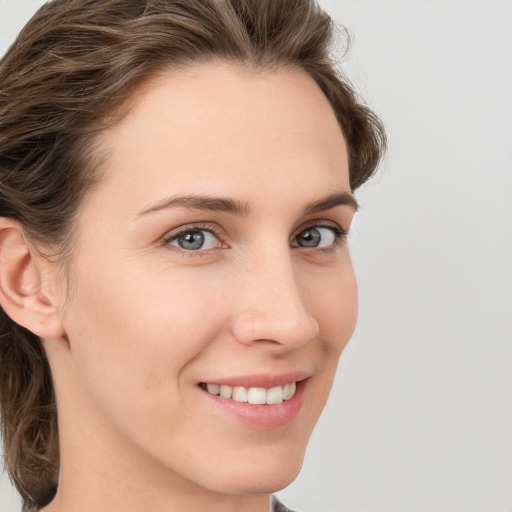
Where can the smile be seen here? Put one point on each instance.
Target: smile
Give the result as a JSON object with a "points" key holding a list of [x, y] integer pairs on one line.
{"points": [[253, 395], [262, 401]]}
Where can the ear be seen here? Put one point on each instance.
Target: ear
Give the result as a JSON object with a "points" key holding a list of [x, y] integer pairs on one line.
{"points": [[22, 294]]}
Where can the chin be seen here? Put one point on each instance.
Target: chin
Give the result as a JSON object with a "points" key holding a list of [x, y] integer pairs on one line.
{"points": [[268, 472], [260, 483], [276, 483]]}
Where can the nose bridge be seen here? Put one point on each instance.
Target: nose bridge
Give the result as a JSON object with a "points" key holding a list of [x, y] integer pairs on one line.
{"points": [[271, 304]]}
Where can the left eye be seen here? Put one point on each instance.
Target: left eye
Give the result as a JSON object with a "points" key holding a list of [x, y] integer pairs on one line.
{"points": [[194, 240], [317, 237]]}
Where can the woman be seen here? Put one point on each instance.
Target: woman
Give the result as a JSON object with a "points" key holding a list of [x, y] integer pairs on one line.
{"points": [[177, 184]]}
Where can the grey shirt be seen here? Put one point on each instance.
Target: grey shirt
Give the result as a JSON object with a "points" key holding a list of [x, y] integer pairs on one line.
{"points": [[277, 506]]}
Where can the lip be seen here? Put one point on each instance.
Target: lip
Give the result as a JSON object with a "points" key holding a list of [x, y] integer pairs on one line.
{"points": [[265, 416], [261, 380]]}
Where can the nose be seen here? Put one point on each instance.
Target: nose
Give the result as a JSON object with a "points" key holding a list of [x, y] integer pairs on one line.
{"points": [[270, 306]]}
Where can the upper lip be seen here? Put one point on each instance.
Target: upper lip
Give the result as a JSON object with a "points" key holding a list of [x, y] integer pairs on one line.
{"points": [[261, 380]]}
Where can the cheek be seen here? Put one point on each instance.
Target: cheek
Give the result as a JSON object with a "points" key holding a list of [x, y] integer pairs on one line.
{"points": [[132, 342], [148, 326], [334, 305], [331, 297]]}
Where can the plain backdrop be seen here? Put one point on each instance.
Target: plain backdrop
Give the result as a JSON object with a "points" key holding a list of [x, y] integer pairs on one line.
{"points": [[420, 417]]}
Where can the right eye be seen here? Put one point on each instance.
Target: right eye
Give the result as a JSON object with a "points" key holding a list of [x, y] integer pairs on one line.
{"points": [[194, 240]]}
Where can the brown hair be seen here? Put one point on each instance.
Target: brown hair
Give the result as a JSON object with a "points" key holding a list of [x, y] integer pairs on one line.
{"points": [[72, 64]]}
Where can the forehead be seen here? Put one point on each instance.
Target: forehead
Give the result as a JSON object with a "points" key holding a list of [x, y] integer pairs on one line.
{"points": [[215, 125]]}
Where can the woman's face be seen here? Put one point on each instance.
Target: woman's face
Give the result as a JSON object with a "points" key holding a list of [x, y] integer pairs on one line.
{"points": [[211, 258]]}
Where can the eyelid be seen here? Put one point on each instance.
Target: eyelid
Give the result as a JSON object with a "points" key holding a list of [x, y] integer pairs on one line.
{"points": [[201, 226], [328, 224], [340, 234]]}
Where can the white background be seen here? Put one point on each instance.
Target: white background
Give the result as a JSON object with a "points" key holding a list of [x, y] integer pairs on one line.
{"points": [[420, 418]]}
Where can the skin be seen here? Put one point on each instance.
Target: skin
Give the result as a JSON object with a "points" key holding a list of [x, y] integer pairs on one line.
{"points": [[147, 321]]}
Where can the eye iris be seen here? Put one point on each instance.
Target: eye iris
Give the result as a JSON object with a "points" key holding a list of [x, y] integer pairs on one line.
{"points": [[192, 240], [310, 238]]}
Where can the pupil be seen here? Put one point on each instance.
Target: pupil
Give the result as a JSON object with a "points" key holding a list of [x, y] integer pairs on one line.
{"points": [[192, 240], [310, 238]]}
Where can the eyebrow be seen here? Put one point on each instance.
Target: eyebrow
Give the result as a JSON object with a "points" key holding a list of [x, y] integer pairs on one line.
{"points": [[241, 208], [200, 202], [337, 199]]}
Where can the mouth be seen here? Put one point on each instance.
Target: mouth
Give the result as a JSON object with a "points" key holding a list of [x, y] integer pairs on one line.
{"points": [[258, 401], [253, 395]]}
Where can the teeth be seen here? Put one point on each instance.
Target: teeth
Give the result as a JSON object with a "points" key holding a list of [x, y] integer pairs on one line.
{"points": [[275, 395], [214, 389], [254, 396], [226, 391], [257, 396], [289, 391], [239, 394]]}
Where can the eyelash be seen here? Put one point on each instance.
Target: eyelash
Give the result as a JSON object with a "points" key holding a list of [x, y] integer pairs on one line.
{"points": [[210, 228], [340, 236]]}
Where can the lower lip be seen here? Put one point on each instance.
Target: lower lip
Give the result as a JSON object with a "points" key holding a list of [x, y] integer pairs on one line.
{"points": [[267, 416]]}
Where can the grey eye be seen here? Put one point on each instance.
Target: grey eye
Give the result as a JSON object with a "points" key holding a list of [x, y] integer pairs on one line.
{"points": [[316, 236], [194, 240]]}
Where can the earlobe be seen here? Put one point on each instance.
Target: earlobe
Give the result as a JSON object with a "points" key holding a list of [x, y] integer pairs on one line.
{"points": [[22, 296]]}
